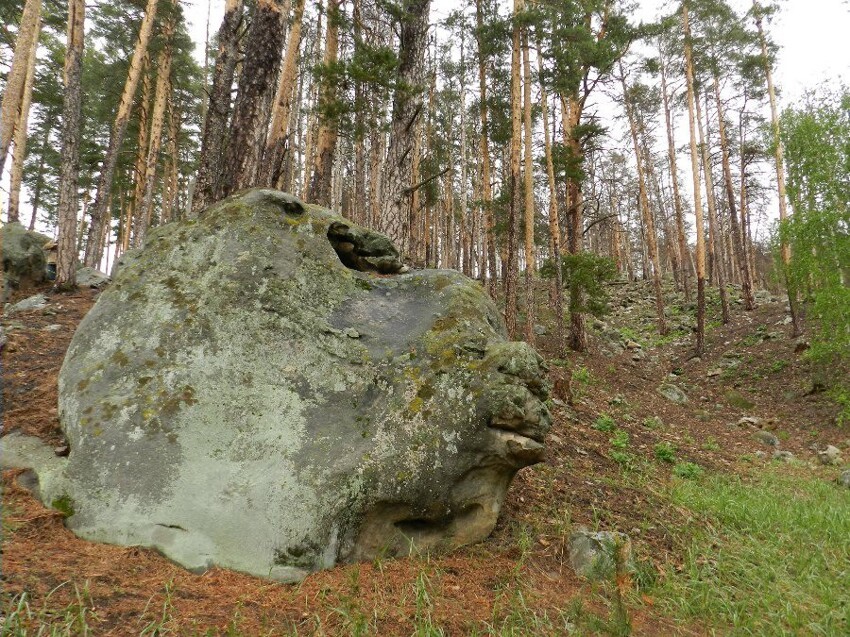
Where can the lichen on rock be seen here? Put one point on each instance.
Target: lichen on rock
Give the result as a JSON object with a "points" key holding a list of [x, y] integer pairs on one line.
{"points": [[241, 397]]}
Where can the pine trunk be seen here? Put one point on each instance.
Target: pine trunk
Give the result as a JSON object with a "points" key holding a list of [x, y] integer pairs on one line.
{"points": [[684, 260], [100, 212], [20, 138], [713, 240], [737, 236], [141, 155], [529, 196], [213, 140], [486, 188], [648, 221], [144, 212], [699, 348], [13, 94], [276, 146], [785, 249], [320, 184], [407, 109], [554, 226], [256, 90], [66, 254]]}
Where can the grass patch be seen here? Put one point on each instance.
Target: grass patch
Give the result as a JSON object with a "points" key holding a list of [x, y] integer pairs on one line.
{"points": [[604, 423], [768, 557]]}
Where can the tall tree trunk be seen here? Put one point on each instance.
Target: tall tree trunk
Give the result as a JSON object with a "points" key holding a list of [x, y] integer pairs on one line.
{"points": [[144, 212], [39, 179], [276, 145], [737, 236], [515, 176], [252, 110], [66, 254], [13, 94], [141, 155], [674, 179], [554, 226], [529, 196], [213, 140], [486, 187], [172, 178], [785, 249], [570, 117], [699, 348], [20, 138], [100, 212], [407, 108], [716, 259], [648, 221], [320, 184]]}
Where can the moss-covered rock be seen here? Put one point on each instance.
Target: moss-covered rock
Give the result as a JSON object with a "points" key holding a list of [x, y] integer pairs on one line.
{"points": [[24, 259], [239, 397]]}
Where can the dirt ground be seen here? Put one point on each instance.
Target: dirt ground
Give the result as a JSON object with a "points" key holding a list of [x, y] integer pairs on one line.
{"points": [[130, 590]]}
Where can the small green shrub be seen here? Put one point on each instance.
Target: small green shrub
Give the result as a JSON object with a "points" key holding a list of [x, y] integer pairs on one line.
{"points": [[688, 470], [604, 423], [620, 439], [665, 452]]}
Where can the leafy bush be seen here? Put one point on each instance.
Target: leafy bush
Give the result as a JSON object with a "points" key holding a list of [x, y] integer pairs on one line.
{"points": [[585, 275], [604, 423]]}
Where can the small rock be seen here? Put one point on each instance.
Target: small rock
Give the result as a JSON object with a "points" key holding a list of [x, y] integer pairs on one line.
{"points": [[844, 479], [766, 437], [638, 355], [714, 372], [350, 332], [91, 278], [749, 421], [540, 330], [32, 303], [761, 455], [783, 456], [593, 555], [801, 345], [633, 345], [673, 393], [62, 451], [787, 320], [55, 327], [830, 456]]}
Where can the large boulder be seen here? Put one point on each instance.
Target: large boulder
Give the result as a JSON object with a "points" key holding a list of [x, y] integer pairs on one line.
{"points": [[241, 397], [24, 259]]}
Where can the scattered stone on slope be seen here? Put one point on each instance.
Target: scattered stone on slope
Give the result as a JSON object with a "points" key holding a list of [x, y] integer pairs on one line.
{"points": [[783, 456], [594, 555], [766, 437], [673, 393], [35, 302], [844, 479], [240, 396], [830, 456], [91, 278]]}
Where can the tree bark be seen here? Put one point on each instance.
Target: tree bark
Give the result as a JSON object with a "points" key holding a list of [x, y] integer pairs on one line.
{"points": [[20, 138], [554, 226], [407, 109], [276, 145], [737, 237], [13, 93], [252, 110], [144, 212], [699, 345], [529, 196], [674, 178], [320, 184], [713, 224], [213, 140], [779, 151], [100, 212], [141, 156], [66, 254], [648, 221], [486, 187]]}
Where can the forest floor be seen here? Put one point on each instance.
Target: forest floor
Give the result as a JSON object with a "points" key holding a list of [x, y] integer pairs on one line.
{"points": [[726, 539]]}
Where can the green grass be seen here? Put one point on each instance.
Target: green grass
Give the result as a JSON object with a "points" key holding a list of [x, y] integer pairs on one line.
{"points": [[666, 452], [768, 557], [604, 423]]}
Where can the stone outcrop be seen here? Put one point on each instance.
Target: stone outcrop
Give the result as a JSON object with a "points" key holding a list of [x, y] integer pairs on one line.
{"points": [[251, 393], [24, 259]]}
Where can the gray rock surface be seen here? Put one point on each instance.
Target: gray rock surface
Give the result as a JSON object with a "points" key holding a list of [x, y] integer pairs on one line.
{"points": [[830, 456], [766, 437], [673, 393], [91, 278], [844, 479], [35, 302], [239, 397], [24, 260], [783, 456], [594, 554]]}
